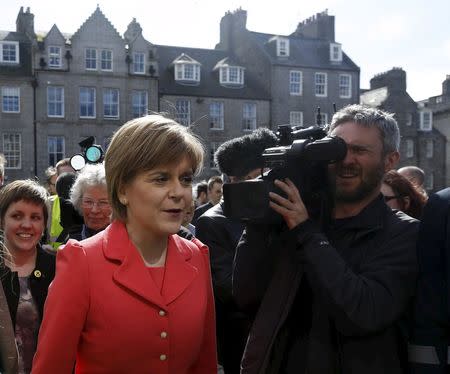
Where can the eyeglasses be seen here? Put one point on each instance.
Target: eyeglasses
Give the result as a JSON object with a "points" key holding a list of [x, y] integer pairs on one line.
{"points": [[389, 198], [89, 204]]}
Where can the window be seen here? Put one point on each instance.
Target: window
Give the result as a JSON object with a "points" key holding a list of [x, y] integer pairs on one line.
{"points": [[323, 119], [426, 120], [9, 52], [409, 119], [55, 101], [429, 181], [12, 150], [183, 108], [187, 72], [429, 148], [56, 149], [111, 103], [11, 100], [54, 57], [335, 52], [213, 146], [296, 118], [249, 117], [409, 148], [91, 59], [87, 102], [320, 80], [345, 86], [232, 75], [216, 115], [282, 47], [139, 63], [106, 60], [295, 82], [139, 101]]}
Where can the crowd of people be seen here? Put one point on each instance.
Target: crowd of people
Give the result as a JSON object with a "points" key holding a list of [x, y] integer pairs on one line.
{"points": [[125, 266]]}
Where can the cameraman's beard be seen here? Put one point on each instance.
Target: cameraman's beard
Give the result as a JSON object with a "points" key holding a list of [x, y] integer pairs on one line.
{"points": [[369, 182]]}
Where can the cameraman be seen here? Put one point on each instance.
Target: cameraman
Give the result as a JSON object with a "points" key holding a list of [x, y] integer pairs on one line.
{"points": [[332, 301]]}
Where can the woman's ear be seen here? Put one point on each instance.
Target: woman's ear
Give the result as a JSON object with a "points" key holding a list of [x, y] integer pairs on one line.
{"points": [[406, 202]]}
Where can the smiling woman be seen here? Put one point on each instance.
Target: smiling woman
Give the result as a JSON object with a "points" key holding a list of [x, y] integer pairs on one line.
{"points": [[26, 277], [143, 294]]}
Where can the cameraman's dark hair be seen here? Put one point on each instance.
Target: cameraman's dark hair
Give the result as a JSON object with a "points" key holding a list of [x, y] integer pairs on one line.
{"points": [[213, 180], [370, 117], [201, 187], [64, 183], [238, 156]]}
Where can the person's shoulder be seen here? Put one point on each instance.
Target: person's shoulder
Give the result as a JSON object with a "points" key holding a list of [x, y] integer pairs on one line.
{"points": [[399, 222]]}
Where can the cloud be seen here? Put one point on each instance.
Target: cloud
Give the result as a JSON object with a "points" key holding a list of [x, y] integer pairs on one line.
{"points": [[391, 28]]}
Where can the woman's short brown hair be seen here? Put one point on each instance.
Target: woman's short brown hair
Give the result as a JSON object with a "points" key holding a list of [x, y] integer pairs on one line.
{"points": [[143, 144], [27, 190]]}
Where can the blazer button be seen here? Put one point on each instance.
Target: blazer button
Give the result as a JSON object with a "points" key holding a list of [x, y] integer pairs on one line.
{"points": [[163, 335], [163, 357], [162, 313]]}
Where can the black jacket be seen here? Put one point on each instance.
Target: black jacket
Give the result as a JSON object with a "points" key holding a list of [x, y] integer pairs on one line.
{"points": [[430, 338], [330, 303], [221, 234], [40, 279]]}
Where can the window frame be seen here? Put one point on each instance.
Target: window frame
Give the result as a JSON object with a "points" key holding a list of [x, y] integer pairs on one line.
{"points": [[90, 59], [3, 90], [422, 125], [324, 83], [54, 55], [140, 63], [17, 52], [349, 87], [113, 104], [56, 102], [282, 47], [429, 148], [334, 58], [292, 115], [55, 152], [248, 117], [409, 148], [180, 72], [94, 103], [183, 118], [219, 115], [225, 75], [12, 153], [293, 83], [110, 60], [135, 94]]}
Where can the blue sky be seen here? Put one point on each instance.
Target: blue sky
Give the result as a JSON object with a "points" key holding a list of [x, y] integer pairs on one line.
{"points": [[377, 35]]}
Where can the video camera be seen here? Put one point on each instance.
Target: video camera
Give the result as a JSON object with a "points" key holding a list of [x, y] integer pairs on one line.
{"points": [[303, 156], [91, 154]]}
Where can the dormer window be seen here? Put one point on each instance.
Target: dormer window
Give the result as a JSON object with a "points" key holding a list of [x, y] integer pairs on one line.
{"points": [[233, 75], [9, 52], [335, 52], [187, 72], [282, 47]]}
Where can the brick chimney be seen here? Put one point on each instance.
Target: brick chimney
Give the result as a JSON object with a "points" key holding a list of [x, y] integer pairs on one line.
{"points": [[25, 23], [231, 24], [394, 79], [446, 86], [319, 26]]}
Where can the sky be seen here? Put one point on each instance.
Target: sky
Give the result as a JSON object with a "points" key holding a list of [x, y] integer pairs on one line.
{"points": [[377, 35]]}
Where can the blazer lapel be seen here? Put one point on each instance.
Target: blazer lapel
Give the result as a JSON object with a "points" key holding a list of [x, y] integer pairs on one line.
{"points": [[131, 273], [180, 273]]}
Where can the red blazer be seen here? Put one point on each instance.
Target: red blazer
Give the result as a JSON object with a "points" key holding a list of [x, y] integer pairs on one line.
{"points": [[104, 310]]}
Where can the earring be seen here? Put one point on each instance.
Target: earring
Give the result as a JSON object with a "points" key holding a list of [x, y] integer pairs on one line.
{"points": [[124, 201]]}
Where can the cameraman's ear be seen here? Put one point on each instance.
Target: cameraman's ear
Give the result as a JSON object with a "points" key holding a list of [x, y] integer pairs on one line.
{"points": [[391, 160]]}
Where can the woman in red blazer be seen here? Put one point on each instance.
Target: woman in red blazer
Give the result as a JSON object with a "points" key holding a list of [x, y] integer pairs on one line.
{"points": [[135, 298]]}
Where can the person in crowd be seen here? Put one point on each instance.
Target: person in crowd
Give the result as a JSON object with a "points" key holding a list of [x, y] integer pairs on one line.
{"points": [[188, 215], [201, 191], [64, 166], [2, 169], [416, 176], [430, 335], [329, 298], [399, 193], [143, 295], [214, 195], [89, 197], [238, 159], [8, 349], [50, 180], [27, 276]]}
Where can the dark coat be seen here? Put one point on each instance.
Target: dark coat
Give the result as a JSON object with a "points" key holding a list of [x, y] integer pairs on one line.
{"points": [[430, 337], [328, 303], [221, 234], [40, 279], [200, 210]]}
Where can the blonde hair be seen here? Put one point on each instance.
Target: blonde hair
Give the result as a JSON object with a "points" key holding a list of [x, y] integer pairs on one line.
{"points": [[143, 144]]}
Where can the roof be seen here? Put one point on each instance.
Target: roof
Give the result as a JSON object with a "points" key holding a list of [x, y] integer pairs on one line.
{"points": [[13, 36], [303, 52], [209, 85]]}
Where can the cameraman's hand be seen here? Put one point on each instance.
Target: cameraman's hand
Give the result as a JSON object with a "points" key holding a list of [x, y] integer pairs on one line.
{"points": [[291, 208]]}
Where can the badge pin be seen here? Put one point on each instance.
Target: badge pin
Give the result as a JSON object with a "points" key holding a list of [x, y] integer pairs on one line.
{"points": [[37, 274]]}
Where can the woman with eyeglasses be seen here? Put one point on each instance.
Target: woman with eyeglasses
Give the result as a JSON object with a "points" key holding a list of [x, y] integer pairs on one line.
{"points": [[28, 271], [136, 298], [89, 197], [399, 193]]}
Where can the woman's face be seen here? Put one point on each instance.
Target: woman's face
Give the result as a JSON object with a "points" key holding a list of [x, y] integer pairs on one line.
{"points": [[157, 199], [95, 207], [391, 197], [23, 226]]}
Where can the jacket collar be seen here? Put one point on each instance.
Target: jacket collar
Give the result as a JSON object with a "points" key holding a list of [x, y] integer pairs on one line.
{"points": [[132, 273]]}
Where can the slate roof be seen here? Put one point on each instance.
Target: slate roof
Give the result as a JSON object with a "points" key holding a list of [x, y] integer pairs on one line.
{"points": [[209, 79], [303, 52], [13, 36], [24, 67]]}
